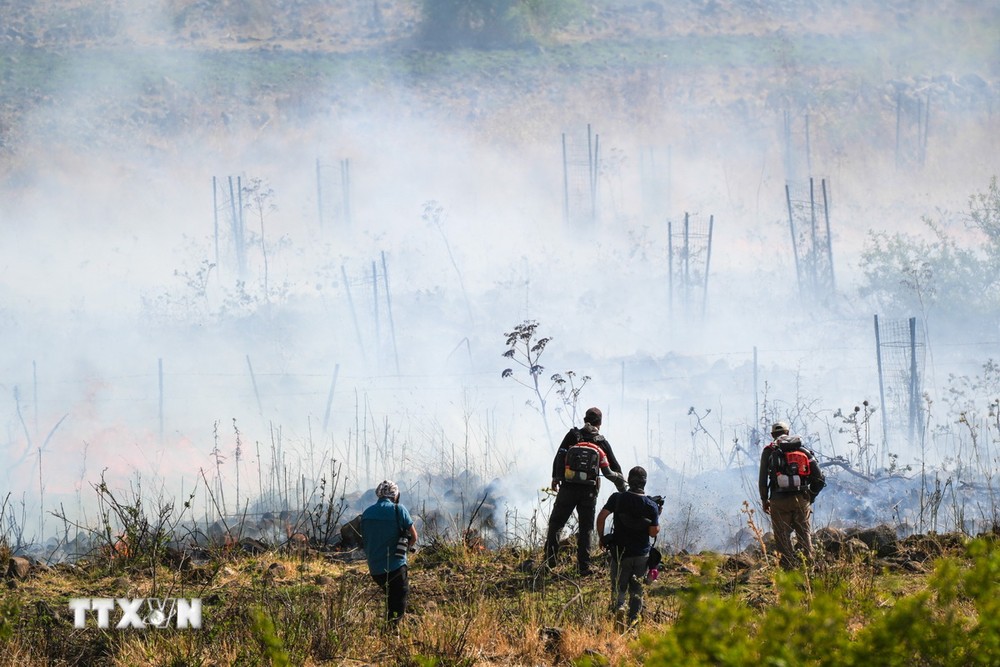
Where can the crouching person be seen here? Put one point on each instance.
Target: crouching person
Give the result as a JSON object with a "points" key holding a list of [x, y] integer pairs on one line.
{"points": [[636, 520], [388, 534]]}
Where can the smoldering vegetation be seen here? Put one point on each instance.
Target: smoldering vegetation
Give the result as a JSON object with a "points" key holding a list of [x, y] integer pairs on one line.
{"points": [[255, 275]]}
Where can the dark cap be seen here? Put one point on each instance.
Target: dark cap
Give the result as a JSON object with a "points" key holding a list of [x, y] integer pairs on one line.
{"points": [[637, 478], [593, 416]]}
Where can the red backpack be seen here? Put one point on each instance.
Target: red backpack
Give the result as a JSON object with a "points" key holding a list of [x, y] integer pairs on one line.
{"points": [[790, 466]]}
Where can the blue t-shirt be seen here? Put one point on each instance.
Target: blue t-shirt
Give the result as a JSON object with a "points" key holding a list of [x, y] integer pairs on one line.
{"points": [[632, 533], [382, 524]]}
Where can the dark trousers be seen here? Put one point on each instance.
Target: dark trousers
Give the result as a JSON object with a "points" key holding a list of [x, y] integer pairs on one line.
{"points": [[396, 586], [627, 575], [583, 499]]}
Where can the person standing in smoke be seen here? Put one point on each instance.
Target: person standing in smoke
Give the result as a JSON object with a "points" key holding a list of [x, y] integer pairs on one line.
{"points": [[388, 534], [636, 519], [583, 456], [789, 480]]}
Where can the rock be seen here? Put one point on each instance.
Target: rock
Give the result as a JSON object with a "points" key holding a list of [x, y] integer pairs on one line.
{"points": [[551, 638], [690, 568], [881, 539], [835, 542], [738, 562], [176, 558], [526, 567], [18, 567], [829, 534], [854, 547], [350, 533], [198, 574], [252, 546]]}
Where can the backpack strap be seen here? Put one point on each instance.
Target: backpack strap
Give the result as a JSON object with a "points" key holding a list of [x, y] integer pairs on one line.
{"points": [[399, 521], [772, 463]]}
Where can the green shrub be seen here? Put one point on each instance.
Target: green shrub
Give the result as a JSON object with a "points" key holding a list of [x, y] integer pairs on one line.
{"points": [[267, 636], [954, 621], [10, 611]]}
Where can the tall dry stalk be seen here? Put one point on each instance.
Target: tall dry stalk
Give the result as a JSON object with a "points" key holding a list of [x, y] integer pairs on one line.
{"points": [[754, 528]]}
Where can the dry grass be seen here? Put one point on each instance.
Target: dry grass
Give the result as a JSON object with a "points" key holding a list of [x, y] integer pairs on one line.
{"points": [[468, 607]]}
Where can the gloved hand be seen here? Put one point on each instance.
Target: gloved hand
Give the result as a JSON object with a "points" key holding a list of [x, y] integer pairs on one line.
{"points": [[618, 481]]}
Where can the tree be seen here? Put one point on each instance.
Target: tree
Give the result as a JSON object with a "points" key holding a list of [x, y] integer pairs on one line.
{"points": [[984, 215], [490, 24], [950, 278]]}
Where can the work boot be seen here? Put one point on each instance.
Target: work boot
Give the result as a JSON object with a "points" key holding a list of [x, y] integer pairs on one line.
{"points": [[633, 623], [620, 623]]}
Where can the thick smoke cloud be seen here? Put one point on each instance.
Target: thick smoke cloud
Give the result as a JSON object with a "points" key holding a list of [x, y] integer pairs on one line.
{"points": [[129, 348]]}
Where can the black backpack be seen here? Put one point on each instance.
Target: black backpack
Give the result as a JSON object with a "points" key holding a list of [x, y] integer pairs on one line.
{"points": [[583, 462]]}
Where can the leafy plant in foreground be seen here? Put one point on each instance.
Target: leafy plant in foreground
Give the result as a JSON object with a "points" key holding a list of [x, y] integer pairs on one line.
{"points": [[954, 621]]}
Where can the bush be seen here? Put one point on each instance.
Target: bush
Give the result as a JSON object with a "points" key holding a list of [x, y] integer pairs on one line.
{"points": [[955, 621], [942, 277]]}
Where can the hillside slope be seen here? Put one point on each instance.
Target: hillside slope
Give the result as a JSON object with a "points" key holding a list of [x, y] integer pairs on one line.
{"points": [[150, 74]]}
